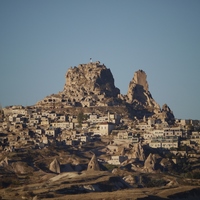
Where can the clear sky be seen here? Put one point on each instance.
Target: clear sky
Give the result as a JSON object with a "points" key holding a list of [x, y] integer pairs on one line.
{"points": [[41, 39]]}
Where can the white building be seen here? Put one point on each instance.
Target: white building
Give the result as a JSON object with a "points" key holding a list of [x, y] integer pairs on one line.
{"points": [[106, 128], [117, 160]]}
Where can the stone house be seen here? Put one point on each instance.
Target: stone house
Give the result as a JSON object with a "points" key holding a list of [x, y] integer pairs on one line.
{"points": [[173, 132], [39, 131], [45, 121], [195, 138], [62, 118], [33, 121], [158, 133], [164, 142], [185, 142], [50, 132], [62, 125], [84, 138], [52, 115], [195, 133], [148, 136], [124, 135], [66, 134], [117, 160], [105, 128], [113, 148], [143, 126]]}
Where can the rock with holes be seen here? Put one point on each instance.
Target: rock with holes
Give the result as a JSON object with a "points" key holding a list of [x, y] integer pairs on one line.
{"points": [[93, 164], [150, 163]]}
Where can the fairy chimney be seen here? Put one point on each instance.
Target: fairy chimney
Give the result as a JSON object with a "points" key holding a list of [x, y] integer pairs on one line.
{"points": [[93, 164]]}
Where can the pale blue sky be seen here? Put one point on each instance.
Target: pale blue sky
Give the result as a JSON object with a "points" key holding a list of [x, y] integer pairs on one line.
{"points": [[41, 39]]}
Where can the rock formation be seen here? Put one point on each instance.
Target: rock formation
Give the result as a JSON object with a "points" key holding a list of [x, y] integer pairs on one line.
{"points": [[55, 166], [92, 84], [150, 162], [167, 114], [87, 85], [90, 79], [93, 164], [138, 91], [138, 152]]}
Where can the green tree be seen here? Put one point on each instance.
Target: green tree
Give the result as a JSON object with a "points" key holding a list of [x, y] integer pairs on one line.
{"points": [[81, 117]]}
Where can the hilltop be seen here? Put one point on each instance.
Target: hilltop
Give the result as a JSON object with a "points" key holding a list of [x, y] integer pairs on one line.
{"points": [[92, 85]]}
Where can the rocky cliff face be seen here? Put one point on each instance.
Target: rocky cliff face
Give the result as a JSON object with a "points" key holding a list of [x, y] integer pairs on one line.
{"points": [[90, 79], [89, 85], [138, 152], [138, 91], [92, 84]]}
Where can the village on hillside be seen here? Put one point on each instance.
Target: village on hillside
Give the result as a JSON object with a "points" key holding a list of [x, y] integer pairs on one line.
{"points": [[91, 139], [23, 127]]}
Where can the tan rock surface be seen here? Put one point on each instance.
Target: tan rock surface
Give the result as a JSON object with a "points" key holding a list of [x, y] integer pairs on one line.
{"points": [[138, 152], [93, 164], [138, 91], [55, 166], [150, 162]]}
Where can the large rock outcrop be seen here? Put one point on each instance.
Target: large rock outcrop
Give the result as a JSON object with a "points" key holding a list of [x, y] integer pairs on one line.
{"points": [[86, 85], [90, 79], [138, 152], [138, 92], [92, 84]]}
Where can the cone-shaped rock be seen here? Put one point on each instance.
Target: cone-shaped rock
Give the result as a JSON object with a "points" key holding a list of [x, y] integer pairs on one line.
{"points": [[138, 91], [138, 152], [55, 166], [150, 162], [93, 164]]}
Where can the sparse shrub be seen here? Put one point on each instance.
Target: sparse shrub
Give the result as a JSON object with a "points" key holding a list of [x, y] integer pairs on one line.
{"points": [[110, 167], [156, 183], [192, 175]]}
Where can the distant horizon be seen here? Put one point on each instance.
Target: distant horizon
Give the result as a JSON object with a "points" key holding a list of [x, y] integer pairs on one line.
{"points": [[40, 40]]}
